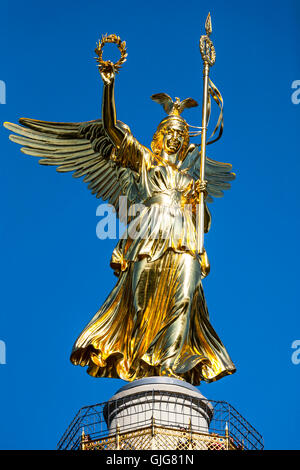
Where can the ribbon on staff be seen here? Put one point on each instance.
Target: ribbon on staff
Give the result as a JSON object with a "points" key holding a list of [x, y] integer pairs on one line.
{"points": [[214, 93]]}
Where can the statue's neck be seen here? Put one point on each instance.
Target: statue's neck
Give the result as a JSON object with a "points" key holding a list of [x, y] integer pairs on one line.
{"points": [[169, 158]]}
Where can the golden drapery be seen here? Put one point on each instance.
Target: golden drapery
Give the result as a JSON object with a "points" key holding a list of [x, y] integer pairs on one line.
{"points": [[155, 321]]}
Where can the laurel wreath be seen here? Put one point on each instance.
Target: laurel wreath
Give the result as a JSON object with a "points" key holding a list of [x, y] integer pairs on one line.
{"points": [[105, 64], [207, 50]]}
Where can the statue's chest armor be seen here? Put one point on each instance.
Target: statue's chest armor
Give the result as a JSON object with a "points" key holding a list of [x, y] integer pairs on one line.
{"points": [[166, 177]]}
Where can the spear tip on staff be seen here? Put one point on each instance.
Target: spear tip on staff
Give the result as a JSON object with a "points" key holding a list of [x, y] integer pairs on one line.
{"points": [[208, 25]]}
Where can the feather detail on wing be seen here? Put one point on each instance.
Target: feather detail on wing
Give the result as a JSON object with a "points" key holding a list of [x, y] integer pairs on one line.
{"points": [[171, 106], [83, 148], [187, 103], [165, 100], [217, 174]]}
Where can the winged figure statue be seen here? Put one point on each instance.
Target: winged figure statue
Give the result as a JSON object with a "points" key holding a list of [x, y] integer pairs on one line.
{"points": [[155, 321]]}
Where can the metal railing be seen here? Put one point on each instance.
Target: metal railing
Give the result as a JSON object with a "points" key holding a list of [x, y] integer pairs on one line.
{"points": [[227, 428]]}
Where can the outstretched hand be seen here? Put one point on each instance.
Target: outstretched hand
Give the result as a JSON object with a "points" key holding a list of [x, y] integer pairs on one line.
{"points": [[108, 73]]}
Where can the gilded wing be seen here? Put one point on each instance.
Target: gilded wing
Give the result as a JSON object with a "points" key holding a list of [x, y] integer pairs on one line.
{"points": [[165, 100], [217, 174], [170, 106], [187, 103], [83, 148]]}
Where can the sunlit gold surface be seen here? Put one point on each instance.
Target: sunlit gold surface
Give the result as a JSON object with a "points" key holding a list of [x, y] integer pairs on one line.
{"points": [[155, 321], [209, 56], [160, 438], [110, 39]]}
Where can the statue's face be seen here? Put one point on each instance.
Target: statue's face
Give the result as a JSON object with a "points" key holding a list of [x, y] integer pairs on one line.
{"points": [[173, 139]]}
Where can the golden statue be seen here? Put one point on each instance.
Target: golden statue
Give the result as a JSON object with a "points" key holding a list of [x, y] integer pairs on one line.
{"points": [[155, 321]]}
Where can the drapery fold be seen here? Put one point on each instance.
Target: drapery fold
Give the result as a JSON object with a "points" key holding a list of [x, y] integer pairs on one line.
{"points": [[148, 326]]}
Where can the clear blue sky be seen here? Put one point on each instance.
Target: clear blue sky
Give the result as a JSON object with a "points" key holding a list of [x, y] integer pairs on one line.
{"points": [[55, 273]]}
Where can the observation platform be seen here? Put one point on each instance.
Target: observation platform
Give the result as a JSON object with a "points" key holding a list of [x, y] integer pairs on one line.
{"points": [[160, 413]]}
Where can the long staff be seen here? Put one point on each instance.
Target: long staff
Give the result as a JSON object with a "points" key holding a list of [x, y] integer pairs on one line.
{"points": [[209, 57]]}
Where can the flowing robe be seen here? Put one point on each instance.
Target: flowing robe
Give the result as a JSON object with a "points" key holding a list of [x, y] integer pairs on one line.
{"points": [[155, 321]]}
